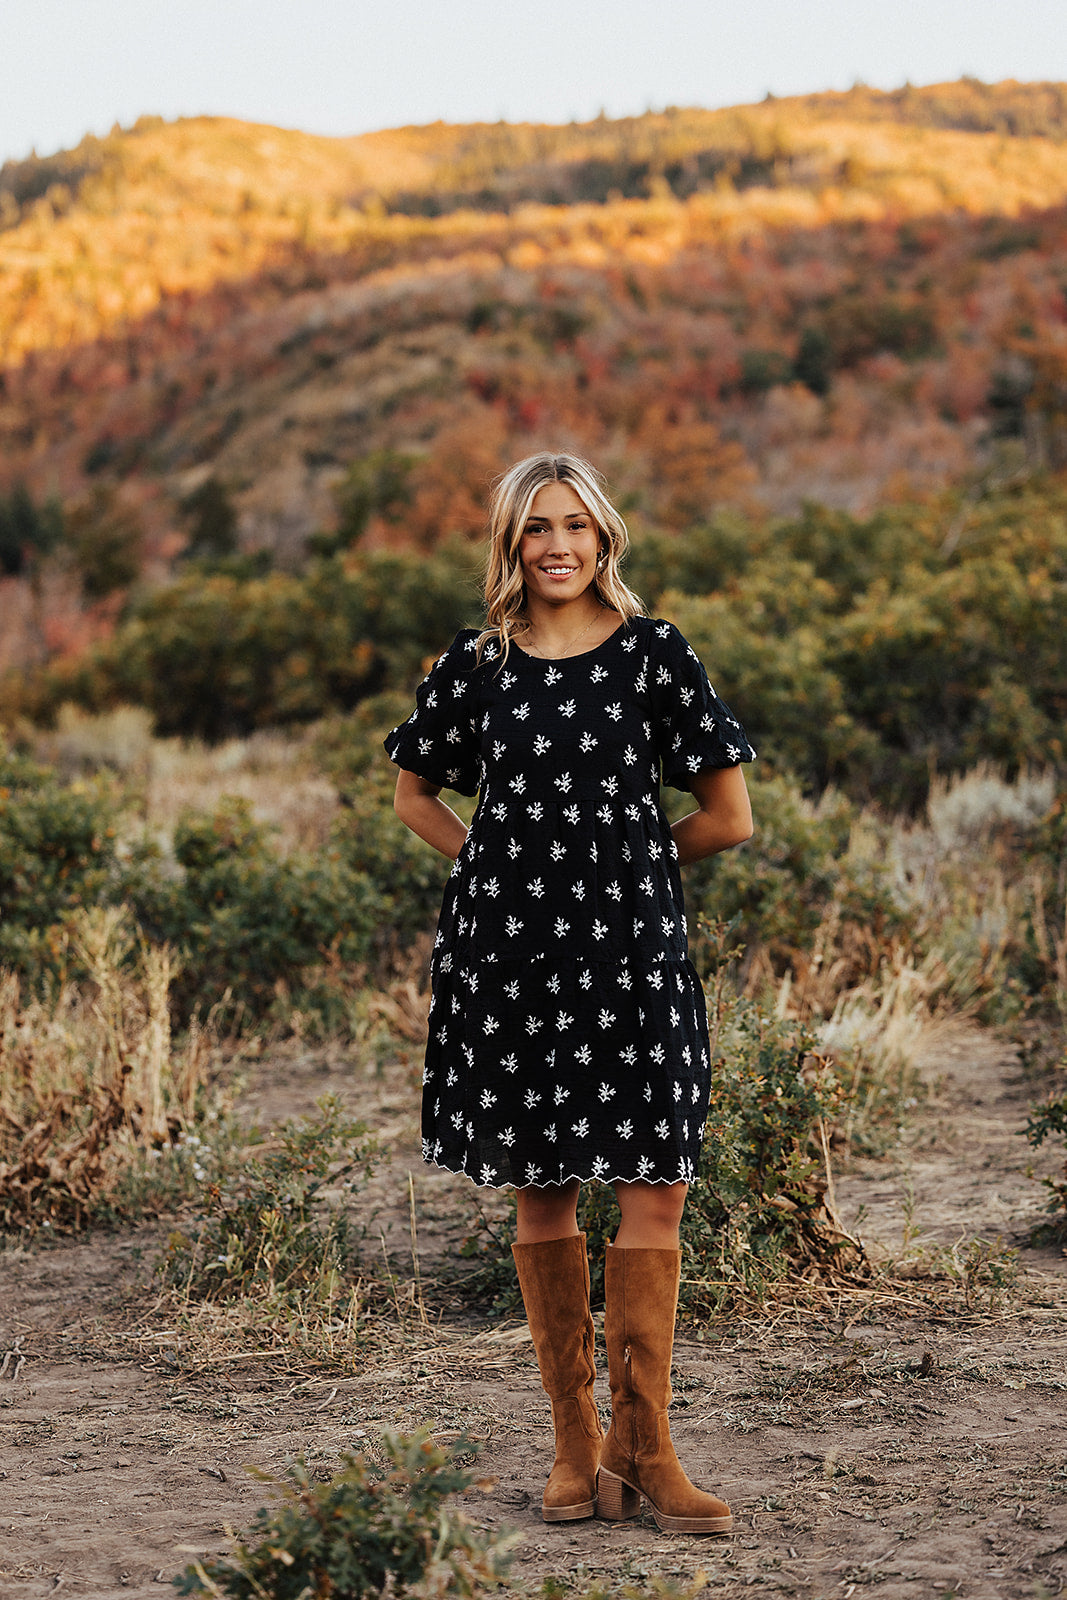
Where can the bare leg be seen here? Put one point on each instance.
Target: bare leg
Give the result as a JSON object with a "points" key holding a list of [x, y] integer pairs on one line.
{"points": [[548, 1212], [651, 1215]]}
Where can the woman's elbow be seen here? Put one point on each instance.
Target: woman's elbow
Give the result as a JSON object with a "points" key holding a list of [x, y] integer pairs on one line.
{"points": [[740, 830], [740, 827]]}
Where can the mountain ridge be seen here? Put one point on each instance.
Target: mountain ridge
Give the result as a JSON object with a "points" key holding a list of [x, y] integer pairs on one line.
{"points": [[793, 304]]}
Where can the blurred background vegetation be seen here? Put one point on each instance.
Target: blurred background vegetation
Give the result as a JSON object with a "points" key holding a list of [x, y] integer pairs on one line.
{"points": [[254, 387]]}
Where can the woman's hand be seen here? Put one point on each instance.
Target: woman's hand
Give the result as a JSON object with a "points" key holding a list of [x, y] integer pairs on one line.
{"points": [[724, 817], [416, 803]]}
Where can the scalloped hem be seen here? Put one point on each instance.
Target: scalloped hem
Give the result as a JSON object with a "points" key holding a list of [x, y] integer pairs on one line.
{"points": [[553, 1183]]}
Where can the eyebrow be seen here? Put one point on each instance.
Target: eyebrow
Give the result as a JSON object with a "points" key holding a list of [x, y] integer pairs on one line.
{"points": [[569, 516]]}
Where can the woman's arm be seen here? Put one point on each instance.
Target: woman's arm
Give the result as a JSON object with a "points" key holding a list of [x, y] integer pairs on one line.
{"points": [[416, 803], [724, 817]]}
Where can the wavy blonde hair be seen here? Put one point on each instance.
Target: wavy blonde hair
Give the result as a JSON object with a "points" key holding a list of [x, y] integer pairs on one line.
{"points": [[509, 509]]}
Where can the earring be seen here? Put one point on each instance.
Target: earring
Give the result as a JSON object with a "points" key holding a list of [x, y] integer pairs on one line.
{"points": [[601, 558]]}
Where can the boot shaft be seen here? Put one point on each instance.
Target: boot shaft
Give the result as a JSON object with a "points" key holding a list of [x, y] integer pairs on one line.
{"points": [[554, 1279]]}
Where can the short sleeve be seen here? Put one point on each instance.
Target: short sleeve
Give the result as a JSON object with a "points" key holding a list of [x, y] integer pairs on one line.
{"points": [[440, 741], [696, 731]]}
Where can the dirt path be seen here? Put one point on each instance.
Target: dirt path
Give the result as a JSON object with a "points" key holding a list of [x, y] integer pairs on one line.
{"points": [[925, 1454]]}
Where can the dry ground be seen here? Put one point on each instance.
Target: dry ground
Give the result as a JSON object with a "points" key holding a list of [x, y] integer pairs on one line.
{"points": [[914, 1447]]}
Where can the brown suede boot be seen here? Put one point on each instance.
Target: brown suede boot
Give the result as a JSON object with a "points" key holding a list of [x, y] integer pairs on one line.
{"points": [[641, 1290], [554, 1278]]}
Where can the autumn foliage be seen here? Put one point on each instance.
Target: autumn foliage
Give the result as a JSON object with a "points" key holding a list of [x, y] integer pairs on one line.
{"points": [[243, 370]]}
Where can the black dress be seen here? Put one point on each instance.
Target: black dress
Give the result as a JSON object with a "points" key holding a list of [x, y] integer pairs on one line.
{"points": [[568, 1031]]}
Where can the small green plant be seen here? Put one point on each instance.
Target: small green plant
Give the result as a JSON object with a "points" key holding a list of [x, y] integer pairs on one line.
{"points": [[983, 1272], [371, 1529], [266, 1231]]}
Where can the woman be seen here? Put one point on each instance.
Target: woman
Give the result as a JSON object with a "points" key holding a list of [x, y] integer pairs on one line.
{"points": [[568, 1033]]}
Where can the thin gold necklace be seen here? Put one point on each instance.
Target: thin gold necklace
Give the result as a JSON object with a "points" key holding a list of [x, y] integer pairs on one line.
{"points": [[571, 643]]}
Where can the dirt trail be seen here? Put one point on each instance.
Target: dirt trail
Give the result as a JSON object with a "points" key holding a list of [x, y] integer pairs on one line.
{"points": [[925, 1454]]}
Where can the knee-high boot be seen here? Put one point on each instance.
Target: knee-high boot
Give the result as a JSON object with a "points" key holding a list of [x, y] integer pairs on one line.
{"points": [[554, 1278], [641, 1290]]}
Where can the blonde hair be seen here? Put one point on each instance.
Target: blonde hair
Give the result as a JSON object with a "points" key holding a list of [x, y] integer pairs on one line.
{"points": [[509, 509]]}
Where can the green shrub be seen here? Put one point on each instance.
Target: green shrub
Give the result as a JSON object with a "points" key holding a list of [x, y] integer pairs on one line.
{"points": [[245, 918], [219, 653], [1047, 1121], [370, 1530], [805, 865], [407, 876], [764, 642], [265, 1230], [57, 854]]}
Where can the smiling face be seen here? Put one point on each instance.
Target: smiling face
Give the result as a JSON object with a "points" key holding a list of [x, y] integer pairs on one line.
{"points": [[559, 546]]}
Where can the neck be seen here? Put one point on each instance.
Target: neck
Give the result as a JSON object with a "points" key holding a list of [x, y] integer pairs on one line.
{"points": [[553, 626]]}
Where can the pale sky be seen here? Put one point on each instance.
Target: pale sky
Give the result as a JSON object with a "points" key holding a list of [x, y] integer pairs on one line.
{"points": [[346, 66]]}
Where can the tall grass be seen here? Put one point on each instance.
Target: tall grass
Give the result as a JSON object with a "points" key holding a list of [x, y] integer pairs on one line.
{"points": [[92, 1084]]}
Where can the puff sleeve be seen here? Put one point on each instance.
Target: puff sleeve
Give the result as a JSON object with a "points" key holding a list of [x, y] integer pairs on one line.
{"points": [[695, 730], [440, 740]]}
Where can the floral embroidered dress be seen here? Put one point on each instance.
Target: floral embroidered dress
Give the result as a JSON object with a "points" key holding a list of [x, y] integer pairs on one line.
{"points": [[568, 1031]]}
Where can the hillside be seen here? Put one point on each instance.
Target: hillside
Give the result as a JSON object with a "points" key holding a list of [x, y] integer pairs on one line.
{"points": [[845, 298]]}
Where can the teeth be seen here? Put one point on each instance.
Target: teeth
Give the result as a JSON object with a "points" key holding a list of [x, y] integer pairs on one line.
{"points": [[558, 571]]}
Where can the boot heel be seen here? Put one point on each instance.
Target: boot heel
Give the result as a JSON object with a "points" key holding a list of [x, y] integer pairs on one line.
{"points": [[615, 1499]]}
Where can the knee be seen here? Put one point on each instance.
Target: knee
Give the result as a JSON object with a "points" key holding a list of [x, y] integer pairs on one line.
{"points": [[657, 1205], [546, 1213]]}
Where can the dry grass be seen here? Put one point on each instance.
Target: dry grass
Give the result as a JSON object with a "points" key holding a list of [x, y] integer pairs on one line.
{"points": [[93, 1082], [272, 771]]}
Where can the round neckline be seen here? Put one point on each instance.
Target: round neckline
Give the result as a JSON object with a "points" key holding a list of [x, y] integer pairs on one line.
{"points": [[581, 655]]}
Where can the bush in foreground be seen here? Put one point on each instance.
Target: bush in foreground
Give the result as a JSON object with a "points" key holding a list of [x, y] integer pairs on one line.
{"points": [[371, 1529]]}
